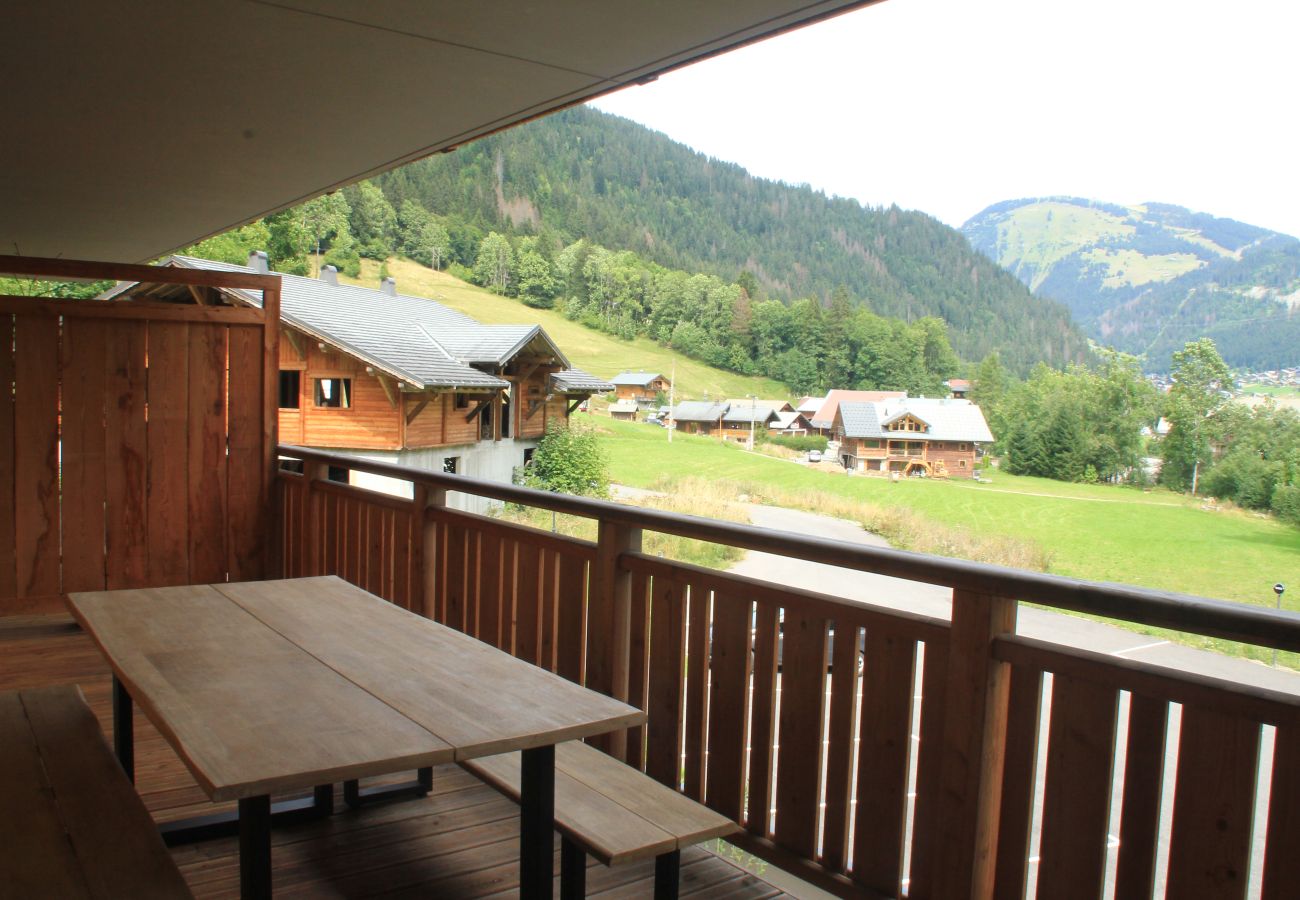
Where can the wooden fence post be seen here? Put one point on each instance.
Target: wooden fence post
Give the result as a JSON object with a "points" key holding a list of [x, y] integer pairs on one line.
{"points": [[313, 472], [609, 622], [974, 746], [425, 501]]}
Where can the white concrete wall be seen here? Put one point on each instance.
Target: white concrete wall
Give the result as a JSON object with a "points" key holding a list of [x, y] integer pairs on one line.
{"points": [[488, 460]]}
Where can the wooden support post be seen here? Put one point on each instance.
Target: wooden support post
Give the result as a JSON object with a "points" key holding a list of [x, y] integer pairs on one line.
{"points": [[974, 746], [609, 622], [314, 472], [426, 501], [270, 413]]}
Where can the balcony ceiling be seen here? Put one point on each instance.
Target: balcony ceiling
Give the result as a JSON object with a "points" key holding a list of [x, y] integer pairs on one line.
{"points": [[134, 128]]}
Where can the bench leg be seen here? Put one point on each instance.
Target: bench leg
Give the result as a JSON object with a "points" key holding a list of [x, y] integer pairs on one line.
{"points": [[537, 823], [573, 871], [356, 796], [255, 848], [668, 869], [123, 729]]}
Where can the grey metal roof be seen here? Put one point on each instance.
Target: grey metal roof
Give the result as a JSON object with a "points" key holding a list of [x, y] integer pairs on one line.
{"points": [[399, 334], [474, 342], [636, 379], [576, 381], [949, 420], [699, 411], [745, 413]]}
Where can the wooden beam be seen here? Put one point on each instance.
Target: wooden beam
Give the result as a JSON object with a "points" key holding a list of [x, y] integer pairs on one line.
{"points": [[523, 376], [84, 270], [295, 341], [576, 403], [130, 309], [474, 413], [533, 407], [199, 294], [387, 385], [416, 410]]}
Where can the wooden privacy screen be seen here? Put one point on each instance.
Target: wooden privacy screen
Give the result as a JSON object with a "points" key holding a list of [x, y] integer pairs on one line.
{"points": [[135, 447]]}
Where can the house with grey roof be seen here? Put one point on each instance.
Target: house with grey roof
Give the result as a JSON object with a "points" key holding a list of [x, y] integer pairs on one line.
{"points": [[698, 416], [391, 377], [643, 388], [911, 436]]}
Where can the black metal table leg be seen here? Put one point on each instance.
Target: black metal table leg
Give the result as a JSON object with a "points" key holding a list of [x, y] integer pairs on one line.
{"points": [[255, 848], [668, 875], [573, 870], [355, 796], [537, 823], [123, 729]]}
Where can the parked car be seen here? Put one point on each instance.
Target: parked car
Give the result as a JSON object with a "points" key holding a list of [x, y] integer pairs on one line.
{"points": [[814, 456]]}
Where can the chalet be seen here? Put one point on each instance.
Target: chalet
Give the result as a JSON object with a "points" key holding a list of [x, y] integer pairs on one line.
{"points": [[742, 420], [642, 388], [789, 423], [958, 388], [624, 409], [699, 417], [774, 405], [398, 379], [823, 419], [911, 436]]}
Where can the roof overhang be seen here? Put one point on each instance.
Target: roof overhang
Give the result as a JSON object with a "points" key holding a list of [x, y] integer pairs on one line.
{"points": [[139, 127]]}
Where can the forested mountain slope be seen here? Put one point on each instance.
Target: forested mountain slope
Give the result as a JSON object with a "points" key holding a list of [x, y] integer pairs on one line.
{"points": [[585, 174], [1147, 279]]}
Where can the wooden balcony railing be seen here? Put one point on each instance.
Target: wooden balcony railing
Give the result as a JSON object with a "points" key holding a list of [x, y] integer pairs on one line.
{"points": [[872, 751]]}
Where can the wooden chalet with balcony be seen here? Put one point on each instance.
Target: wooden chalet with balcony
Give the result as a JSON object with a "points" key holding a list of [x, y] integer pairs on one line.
{"points": [[394, 378], [642, 388], [869, 747], [911, 436], [822, 419]]}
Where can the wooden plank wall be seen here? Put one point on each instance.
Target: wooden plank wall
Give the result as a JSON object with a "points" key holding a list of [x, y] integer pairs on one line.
{"points": [[132, 449]]}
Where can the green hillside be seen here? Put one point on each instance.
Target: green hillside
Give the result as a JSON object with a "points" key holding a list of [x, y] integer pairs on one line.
{"points": [[586, 174], [1147, 279], [596, 352]]}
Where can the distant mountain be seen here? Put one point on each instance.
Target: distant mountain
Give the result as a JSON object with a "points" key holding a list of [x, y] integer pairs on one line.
{"points": [[1147, 279], [586, 174]]}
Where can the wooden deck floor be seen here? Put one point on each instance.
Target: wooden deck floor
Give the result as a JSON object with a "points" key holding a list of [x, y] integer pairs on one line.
{"points": [[459, 842]]}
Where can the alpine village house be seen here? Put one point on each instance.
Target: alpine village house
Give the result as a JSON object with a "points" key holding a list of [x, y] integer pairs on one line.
{"points": [[392, 378], [910, 436]]}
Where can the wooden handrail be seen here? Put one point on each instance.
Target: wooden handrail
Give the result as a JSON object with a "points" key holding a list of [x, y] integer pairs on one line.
{"points": [[87, 270], [1163, 609]]}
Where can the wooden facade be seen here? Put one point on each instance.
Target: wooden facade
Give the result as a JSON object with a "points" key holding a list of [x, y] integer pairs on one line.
{"points": [[649, 392]]}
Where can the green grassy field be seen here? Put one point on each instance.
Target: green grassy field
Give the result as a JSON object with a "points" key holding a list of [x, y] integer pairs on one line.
{"points": [[1100, 533], [596, 352]]}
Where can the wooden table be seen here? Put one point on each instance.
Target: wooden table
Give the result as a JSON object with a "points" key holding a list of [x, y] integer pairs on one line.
{"points": [[279, 686]]}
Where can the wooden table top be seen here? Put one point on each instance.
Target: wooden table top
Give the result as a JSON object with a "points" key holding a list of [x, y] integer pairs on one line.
{"points": [[273, 686]]}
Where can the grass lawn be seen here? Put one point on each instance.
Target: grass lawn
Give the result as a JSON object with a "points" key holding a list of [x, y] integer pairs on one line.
{"points": [[594, 351], [1100, 533]]}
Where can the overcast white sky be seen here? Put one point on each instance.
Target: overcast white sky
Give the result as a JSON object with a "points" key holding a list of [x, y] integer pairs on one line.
{"points": [[948, 106]]}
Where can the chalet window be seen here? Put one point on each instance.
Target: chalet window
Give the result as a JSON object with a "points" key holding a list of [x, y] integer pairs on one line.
{"points": [[462, 401], [334, 393], [528, 455], [961, 447], [873, 443], [961, 463], [290, 379], [449, 464]]}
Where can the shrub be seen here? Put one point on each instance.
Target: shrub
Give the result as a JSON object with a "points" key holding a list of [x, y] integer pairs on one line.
{"points": [[1286, 503], [798, 442], [569, 460]]}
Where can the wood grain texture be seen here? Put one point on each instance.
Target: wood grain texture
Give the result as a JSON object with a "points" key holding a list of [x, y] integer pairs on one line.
{"points": [[929, 772], [571, 616], [36, 462], [84, 472], [1281, 862], [1139, 824], [666, 699], [803, 692], [842, 747], [1209, 848], [8, 438], [474, 697], [1076, 802], [116, 844], [98, 271], [528, 603], [638, 664], [126, 470], [1018, 780], [730, 663], [699, 627], [242, 704], [882, 772], [763, 723], [168, 469], [246, 490]]}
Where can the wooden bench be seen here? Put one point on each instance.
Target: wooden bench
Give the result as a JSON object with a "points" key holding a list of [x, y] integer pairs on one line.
{"points": [[613, 812], [71, 824]]}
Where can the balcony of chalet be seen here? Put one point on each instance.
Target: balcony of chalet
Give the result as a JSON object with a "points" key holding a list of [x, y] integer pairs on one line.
{"points": [[868, 751]]}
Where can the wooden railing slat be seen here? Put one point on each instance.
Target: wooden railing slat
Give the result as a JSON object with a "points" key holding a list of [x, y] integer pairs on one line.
{"points": [[699, 626], [83, 463], [456, 573], [842, 746], [1281, 859], [638, 664], [246, 486], [1076, 802], [8, 439], [167, 481], [1021, 771], [763, 724], [929, 772], [1214, 801], [1139, 824], [886, 733], [492, 553], [528, 601], [730, 665], [666, 699], [126, 524], [207, 453], [35, 472], [799, 762], [571, 605]]}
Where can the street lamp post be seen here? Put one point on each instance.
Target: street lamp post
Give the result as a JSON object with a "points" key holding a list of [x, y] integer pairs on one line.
{"points": [[1278, 589], [753, 401]]}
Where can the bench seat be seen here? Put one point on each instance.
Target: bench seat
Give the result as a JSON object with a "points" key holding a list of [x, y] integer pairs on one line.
{"points": [[72, 825], [612, 811]]}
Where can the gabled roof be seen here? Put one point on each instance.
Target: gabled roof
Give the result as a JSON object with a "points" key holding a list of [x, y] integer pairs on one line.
{"points": [[776, 405], [949, 420], [635, 379], [825, 415], [787, 420], [760, 415], [809, 405], [624, 406], [699, 411], [576, 381], [904, 414], [479, 344]]}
